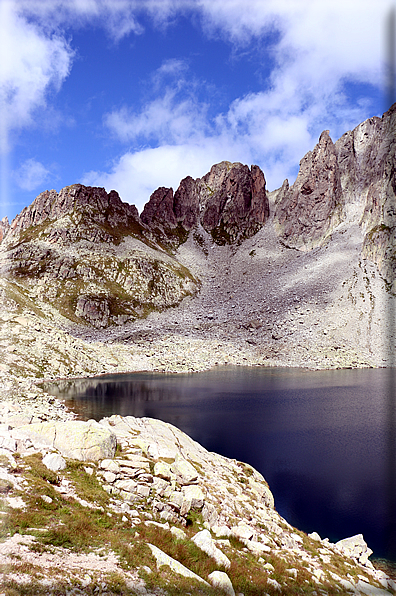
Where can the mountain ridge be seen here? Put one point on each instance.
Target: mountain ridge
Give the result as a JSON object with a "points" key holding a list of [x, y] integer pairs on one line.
{"points": [[222, 244]]}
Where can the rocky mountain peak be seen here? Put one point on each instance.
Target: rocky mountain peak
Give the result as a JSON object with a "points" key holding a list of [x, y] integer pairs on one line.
{"points": [[76, 212], [308, 210], [239, 207], [230, 202]]}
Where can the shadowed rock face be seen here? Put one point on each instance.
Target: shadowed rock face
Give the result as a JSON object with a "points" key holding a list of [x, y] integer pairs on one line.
{"points": [[230, 202], [308, 210], [239, 207], [158, 211]]}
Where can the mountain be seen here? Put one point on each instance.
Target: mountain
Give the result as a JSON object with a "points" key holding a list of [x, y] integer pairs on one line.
{"points": [[302, 275]]}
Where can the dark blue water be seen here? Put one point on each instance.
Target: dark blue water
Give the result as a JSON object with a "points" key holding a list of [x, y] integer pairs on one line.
{"points": [[324, 441]]}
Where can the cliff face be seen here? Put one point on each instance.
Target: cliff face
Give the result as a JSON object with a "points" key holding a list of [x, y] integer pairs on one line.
{"points": [[230, 202], [352, 180], [309, 210]]}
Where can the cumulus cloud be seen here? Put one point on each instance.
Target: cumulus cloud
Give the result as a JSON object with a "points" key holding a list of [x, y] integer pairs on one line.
{"points": [[118, 17], [174, 116], [31, 63], [31, 174]]}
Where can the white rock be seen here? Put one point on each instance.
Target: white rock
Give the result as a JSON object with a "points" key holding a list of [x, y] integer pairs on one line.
{"points": [[315, 536], [185, 472], [163, 470], [366, 588], [110, 465], [54, 462], [204, 541], [178, 533], [354, 546], [221, 530], [76, 439], [164, 559], [257, 548], [176, 499], [220, 580], [195, 495], [347, 585], [8, 443], [46, 498], [109, 477], [242, 531], [142, 490], [126, 485], [274, 584]]}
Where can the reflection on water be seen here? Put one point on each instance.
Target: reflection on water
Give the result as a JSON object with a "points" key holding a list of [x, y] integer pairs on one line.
{"points": [[319, 438]]}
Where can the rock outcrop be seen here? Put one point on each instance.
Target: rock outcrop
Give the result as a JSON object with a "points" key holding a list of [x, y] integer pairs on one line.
{"points": [[229, 539], [4, 227], [230, 202], [90, 256], [238, 207], [76, 439], [77, 213]]}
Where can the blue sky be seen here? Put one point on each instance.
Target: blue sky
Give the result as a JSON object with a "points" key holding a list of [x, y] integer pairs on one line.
{"points": [[136, 94]]}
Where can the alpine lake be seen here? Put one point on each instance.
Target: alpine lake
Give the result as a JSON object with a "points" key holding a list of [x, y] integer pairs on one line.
{"points": [[325, 441]]}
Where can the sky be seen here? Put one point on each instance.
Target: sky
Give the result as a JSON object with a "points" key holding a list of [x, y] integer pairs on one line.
{"points": [[135, 94]]}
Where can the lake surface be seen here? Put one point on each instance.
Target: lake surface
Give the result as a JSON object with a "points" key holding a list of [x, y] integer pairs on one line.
{"points": [[324, 440]]}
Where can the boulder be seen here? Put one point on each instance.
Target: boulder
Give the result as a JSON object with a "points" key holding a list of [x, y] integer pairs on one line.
{"points": [[54, 462], [194, 495], [204, 541], [220, 580], [356, 547], [75, 439], [164, 559], [184, 471]]}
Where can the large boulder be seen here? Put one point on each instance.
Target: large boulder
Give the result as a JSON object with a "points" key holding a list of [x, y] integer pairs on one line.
{"points": [[75, 439]]}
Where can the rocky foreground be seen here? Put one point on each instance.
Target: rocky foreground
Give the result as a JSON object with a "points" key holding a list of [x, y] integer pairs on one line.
{"points": [[134, 506]]}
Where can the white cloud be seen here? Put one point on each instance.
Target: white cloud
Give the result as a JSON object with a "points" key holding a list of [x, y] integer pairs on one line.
{"points": [[116, 16], [173, 117], [31, 175], [316, 48], [31, 63]]}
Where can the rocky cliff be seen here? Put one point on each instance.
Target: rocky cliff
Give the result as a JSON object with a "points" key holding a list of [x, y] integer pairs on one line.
{"points": [[91, 257], [351, 180], [230, 202]]}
